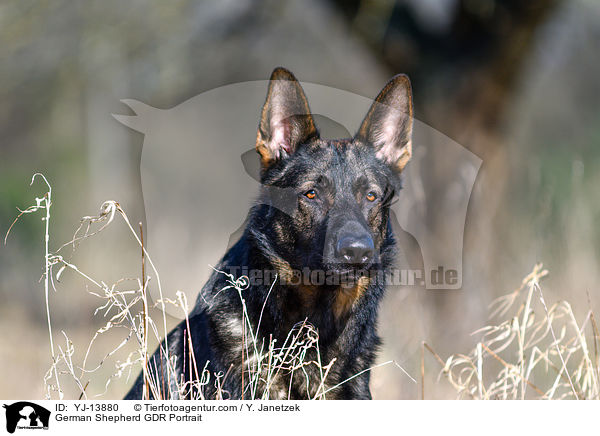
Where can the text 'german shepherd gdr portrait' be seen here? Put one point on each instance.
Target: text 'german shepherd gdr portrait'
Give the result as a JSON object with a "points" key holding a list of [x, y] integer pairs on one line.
{"points": [[290, 312]]}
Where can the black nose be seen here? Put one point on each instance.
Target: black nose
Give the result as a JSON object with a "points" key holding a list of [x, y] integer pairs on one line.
{"points": [[355, 249]]}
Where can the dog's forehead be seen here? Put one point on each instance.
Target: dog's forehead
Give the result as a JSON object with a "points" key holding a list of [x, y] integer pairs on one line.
{"points": [[348, 159], [342, 161]]}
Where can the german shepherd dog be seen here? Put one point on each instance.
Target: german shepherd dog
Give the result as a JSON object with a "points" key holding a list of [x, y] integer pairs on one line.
{"points": [[323, 206]]}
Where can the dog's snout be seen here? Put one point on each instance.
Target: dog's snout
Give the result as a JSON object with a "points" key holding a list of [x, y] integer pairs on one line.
{"points": [[355, 249]]}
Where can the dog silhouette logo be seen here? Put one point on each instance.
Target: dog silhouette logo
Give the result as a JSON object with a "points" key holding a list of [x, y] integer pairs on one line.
{"points": [[211, 155], [26, 415]]}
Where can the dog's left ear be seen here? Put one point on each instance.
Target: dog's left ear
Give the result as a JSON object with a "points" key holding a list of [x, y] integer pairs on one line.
{"points": [[285, 121], [388, 124]]}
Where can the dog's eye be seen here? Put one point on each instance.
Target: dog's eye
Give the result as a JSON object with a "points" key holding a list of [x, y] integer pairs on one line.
{"points": [[310, 194], [371, 196]]}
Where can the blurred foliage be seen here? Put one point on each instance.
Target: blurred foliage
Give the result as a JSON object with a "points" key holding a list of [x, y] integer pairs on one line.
{"points": [[513, 81]]}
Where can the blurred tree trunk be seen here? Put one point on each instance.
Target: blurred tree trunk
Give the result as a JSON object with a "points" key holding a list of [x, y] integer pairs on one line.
{"points": [[464, 59]]}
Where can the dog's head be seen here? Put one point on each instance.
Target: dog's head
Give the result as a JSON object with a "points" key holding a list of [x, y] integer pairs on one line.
{"points": [[331, 198]]}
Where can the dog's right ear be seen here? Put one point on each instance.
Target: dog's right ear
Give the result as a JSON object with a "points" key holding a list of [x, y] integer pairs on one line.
{"points": [[286, 121]]}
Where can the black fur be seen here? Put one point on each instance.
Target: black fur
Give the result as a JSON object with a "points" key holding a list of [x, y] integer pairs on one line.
{"points": [[290, 230]]}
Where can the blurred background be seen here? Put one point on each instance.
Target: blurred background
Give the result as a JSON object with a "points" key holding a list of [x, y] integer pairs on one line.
{"points": [[514, 82]]}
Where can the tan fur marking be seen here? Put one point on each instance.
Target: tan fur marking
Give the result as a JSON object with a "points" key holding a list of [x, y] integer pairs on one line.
{"points": [[346, 297], [283, 237], [308, 295], [263, 151], [283, 268]]}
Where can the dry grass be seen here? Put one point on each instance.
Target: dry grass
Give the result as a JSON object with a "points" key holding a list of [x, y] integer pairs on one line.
{"points": [[527, 351], [126, 308]]}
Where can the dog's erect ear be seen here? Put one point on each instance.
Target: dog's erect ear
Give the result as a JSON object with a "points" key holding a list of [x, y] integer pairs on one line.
{"points": [[388, 124], [285, 122]]}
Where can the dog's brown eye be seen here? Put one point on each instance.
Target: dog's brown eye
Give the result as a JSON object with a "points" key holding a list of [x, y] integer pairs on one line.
{"points": [[311, 194], [371, 196]]}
